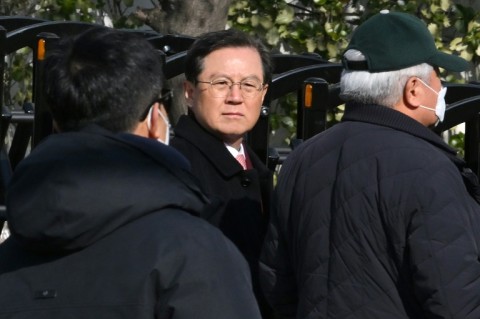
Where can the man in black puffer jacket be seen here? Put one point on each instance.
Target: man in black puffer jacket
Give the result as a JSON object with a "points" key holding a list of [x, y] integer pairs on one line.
{"points": [[103, 219], [372, 218]]}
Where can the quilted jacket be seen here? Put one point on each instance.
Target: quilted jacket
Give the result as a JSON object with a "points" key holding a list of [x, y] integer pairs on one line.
{"points": [[372, 219]]}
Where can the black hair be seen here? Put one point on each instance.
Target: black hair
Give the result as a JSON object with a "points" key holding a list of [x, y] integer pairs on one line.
{"points": [[102, 76], [212, 41]]}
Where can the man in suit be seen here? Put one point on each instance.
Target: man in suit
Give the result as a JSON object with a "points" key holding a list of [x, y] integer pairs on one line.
{"points": [[227, 75]]}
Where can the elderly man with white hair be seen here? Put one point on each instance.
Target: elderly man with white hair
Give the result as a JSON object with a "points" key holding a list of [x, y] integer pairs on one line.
{"points": [[372, 217]]}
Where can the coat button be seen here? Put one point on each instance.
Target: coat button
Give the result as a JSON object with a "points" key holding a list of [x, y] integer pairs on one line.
{"points": [[245, 181]]}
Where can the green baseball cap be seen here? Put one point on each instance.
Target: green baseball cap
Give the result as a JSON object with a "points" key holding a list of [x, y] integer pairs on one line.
{"points": [[393, 41]]}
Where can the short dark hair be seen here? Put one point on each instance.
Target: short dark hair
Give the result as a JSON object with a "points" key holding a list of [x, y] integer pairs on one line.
{"points": [[102, 76], [231, 38]]}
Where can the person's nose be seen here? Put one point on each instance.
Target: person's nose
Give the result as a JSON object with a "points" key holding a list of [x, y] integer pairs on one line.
{"points": [[235, 93]]}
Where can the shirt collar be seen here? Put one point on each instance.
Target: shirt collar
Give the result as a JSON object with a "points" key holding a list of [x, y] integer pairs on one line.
{"points": [[234, 151]]}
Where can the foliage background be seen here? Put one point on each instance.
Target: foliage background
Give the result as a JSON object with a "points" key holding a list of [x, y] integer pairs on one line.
{"points": [[296, 26], [324, 26]]}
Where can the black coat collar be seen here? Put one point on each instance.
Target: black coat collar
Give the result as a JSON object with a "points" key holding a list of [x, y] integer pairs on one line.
{"points": [[381, 115], [385, 116], [212, 147]]}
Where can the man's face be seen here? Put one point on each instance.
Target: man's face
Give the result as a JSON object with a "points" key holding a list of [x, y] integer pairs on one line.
{"points": [[232, 115]]}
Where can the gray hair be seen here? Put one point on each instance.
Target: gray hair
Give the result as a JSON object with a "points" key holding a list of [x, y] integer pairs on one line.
{"points": [[382, 88]]}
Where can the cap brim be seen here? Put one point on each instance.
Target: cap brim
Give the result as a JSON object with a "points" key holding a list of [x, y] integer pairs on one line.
{"points": [[449, 62]]}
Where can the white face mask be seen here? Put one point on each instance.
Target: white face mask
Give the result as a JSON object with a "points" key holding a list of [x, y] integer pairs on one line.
{"points": [[167, 125], [440, 106]]}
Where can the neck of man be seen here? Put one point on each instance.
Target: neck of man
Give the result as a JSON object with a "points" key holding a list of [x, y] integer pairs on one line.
{"points": [[235, 144]]}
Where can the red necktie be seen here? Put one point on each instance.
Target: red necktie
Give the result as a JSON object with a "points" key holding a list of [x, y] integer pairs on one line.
{"points": [[241, 159]]}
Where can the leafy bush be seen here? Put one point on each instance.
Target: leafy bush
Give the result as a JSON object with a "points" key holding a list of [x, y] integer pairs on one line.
{"points": [[324, 26]]}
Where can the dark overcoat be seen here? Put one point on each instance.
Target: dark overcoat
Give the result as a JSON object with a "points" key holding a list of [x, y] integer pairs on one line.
{"points": [[241, 197]]}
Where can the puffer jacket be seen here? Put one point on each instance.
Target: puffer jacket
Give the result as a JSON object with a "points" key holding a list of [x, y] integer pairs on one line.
{"points": [[373, 220], [103, 226]]}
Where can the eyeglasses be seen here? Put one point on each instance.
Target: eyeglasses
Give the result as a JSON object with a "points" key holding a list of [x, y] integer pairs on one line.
{"points": [[165, 99], [221, 87]]}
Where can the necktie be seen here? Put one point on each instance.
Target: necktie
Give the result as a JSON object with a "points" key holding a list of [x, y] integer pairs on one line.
{"points": [[241, 159]]}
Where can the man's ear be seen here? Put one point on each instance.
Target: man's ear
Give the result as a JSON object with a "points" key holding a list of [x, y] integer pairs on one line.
{"points": [[413, 92], [188, 90], [154, 126]]}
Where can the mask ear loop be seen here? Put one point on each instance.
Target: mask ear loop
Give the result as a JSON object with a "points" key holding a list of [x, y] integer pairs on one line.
{"points": [[167, 125], [440, 105], [149, 117], [428, 86]]}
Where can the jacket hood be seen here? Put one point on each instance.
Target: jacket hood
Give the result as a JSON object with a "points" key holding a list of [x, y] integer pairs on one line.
{"points": [[77, 187]]}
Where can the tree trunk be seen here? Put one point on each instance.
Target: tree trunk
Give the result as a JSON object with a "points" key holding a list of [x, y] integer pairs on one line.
{"points": [[184, 17], [188, 17]]}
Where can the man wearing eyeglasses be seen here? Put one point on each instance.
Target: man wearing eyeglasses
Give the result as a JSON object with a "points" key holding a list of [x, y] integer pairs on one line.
{"points": [[227, 75], [104, 217]]}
